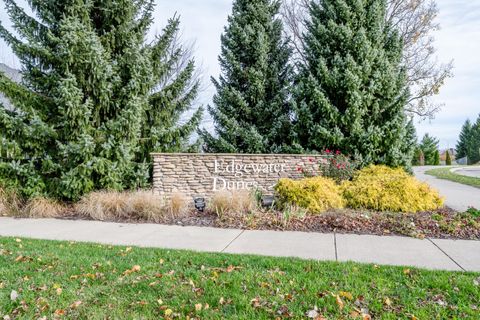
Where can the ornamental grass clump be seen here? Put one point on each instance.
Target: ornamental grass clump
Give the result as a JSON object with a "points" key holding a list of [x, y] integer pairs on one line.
{"points": [[233, 203], [11, 204], [41, 207], [131, 205], [316, 194], [385, 189]]}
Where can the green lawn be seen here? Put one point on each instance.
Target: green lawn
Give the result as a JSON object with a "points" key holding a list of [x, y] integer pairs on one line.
{"points": [[87, 281], [446, 174]]}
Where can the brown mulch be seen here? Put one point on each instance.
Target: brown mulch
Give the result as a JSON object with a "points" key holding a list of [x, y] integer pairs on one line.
{"points": [[442, 224]]}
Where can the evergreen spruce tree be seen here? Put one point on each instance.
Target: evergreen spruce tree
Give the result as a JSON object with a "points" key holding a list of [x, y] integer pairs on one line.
{"points": [[95, 100], [409, 144], [464, 139], [251, 108], [352, 91], [448, 159], [429, 146], [473, 145], [436, 158]]}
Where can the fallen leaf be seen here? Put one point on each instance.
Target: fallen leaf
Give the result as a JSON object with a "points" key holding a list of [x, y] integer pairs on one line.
{"points": [[255, 302], [340, 302], [231, 268], [312, 314], [198, 307], [345, 294], [387, 301], [168, 312], [406, 271], [13, 295], [135, 268], [59, 312], [366, 316], [18, 240], [160, 301], [76, 304]]}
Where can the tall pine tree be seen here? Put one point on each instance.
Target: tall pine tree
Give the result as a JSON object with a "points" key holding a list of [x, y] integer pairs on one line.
{"points": [[251, 108], [96, 98], [352, 91], [473, 150], [464, 140], [429, 146]]}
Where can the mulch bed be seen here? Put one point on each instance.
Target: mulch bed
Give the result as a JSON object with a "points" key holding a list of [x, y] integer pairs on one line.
{"points": [[442, 224]]}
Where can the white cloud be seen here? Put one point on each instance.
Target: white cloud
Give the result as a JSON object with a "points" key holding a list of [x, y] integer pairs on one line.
{"points": [[458, 39]]}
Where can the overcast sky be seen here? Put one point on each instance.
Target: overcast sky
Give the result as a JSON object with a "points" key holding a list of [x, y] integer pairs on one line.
{"points": [[459, 39]]}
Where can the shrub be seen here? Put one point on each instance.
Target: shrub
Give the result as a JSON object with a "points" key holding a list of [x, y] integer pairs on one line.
{"points": [[386, 189], [334, 165], [137, 205], [233, 202], [316, 194], [42, 208], [473, 212]]}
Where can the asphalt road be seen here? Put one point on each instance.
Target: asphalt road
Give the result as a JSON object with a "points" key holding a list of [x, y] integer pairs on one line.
{"points": [[458, 196], [470, 172]]}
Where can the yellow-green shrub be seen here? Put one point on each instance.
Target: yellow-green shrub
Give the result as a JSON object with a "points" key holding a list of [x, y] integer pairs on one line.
{"points": [[317, 194], [386, 189]]}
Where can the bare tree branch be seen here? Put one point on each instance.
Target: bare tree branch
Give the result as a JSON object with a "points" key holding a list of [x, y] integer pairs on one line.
{"points": [[415, 22]]}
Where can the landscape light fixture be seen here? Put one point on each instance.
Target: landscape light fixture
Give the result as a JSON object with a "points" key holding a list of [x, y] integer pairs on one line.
{"points": [[200, 204], [268, 201]]}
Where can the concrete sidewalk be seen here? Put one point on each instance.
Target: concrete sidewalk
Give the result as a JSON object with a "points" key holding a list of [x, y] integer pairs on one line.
{"points": [[428, 253]]}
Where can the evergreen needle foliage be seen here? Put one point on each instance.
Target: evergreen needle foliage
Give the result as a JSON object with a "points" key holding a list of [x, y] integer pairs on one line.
{"points": [[465, 135], [429, 147], [251, 108], [448, 159], [96, 97], [351, 91], [469, 142]]}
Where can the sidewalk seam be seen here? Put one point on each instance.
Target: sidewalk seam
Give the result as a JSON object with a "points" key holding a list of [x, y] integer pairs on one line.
{"points": [[228, 245], [335, 245], [438, 247]]}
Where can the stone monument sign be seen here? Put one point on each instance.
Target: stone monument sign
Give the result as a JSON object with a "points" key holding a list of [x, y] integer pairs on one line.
{"points": [[204, 174]]}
